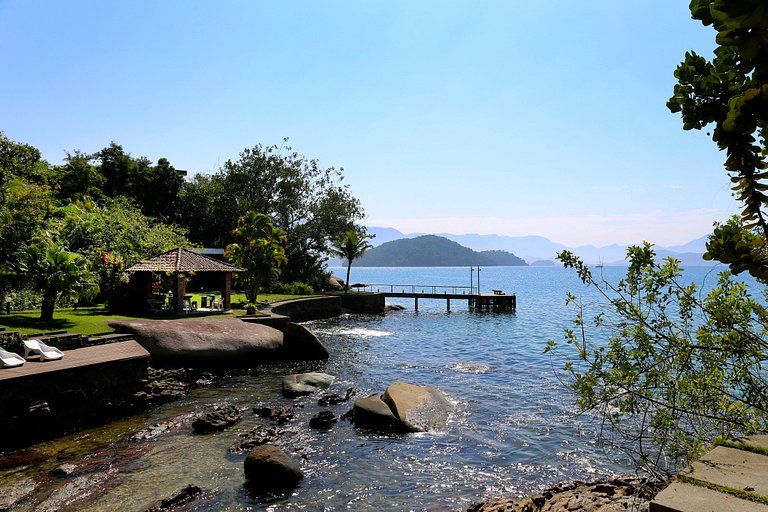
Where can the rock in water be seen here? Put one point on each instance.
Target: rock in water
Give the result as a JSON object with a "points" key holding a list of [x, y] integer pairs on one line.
{"points": [[218, 419], [419, 408], [372, 412], [305, 383], [256, 437], [335, 399], [279, 416], [299, 344], [323, 420], [268, 467], [180, 498]]}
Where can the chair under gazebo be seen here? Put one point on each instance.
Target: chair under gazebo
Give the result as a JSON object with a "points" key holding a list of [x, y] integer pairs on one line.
{"points": [[180, 265]]}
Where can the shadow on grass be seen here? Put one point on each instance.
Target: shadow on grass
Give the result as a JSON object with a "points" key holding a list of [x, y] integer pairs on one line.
{"points": [[25, 322], [85, 320]]}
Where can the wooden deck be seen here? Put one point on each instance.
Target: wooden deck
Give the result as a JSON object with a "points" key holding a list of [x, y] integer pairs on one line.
{"points": [[77, 358]]}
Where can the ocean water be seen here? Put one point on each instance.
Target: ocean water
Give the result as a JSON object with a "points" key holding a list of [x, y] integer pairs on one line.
{"points": [[514, 429]]}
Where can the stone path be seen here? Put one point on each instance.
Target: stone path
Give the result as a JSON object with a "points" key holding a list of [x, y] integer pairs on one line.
{"points": [[720, 468]]}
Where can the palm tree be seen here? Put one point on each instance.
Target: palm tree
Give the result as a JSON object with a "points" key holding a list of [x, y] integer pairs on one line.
{"points": [[259, 250], [57, 273], [350, 245]]}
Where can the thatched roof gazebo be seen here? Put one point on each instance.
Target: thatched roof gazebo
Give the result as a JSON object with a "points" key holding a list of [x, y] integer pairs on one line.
{"points": [[180, 264]]}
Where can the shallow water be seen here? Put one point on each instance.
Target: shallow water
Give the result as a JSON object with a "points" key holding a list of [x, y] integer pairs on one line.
{"points": [[514, 428]]}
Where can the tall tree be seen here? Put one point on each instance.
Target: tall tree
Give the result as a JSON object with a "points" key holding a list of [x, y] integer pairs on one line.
{"points": [[350, 245], [258, 249], [79, 179], [309, 203]]}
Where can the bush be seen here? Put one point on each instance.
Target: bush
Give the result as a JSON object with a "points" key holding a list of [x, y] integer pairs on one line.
{"points": [[25, 299], [293, 289]]}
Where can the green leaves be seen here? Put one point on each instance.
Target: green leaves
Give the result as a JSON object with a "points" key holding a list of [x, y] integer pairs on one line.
{"points": [[731, 92], [350, 245], [259, 249], [666, 369]]}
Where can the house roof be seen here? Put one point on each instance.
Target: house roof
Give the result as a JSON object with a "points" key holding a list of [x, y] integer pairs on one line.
{"points": [[183, 260]]}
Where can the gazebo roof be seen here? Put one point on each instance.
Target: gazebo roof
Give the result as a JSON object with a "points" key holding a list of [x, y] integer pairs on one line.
{"points": [[183, 260]]}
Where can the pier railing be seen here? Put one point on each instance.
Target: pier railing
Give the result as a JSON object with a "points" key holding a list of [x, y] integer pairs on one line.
{"points": [[418, 288]]}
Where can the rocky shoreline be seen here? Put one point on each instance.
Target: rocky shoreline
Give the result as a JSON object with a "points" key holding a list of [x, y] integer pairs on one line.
{"points": [[621, 494]]}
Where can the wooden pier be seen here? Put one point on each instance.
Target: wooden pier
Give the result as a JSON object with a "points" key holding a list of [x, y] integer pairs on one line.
{"points": [[497, 301]]}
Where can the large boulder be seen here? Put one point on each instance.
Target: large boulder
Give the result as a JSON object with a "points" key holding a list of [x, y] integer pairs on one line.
{"points": [[419, 408], [305, 383], [204, 342], [221, 342], [372, 412], [299, 344], [269, 468]]}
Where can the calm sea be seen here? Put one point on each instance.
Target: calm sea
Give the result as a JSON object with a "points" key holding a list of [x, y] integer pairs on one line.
{"points": [[514, 429]]}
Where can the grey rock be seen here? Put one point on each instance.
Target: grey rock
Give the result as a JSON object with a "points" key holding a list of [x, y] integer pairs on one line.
{"points": [[305, 383], [257, 436], [220, 418], [620, 494], [279, 416], [268, 467], [64, 470], [324, 420], [205, 342], [335, 399], [299, 344], [178, 499], [419, 408]]}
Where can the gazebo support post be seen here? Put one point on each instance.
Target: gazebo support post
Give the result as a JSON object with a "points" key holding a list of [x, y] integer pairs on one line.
{"points": [[179, 291], [226, 291]]}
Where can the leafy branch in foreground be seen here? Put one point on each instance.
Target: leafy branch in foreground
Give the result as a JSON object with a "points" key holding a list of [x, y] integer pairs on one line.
{"points": [[666, 369]]}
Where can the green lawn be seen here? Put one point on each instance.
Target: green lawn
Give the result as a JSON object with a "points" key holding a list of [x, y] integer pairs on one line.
{"points": [[92, 320]]}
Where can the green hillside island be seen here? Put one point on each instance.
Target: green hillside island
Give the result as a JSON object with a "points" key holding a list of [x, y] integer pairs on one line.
{"points": [[433, 251]]}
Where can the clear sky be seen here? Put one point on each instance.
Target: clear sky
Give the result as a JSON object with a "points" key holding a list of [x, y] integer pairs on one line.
{"points": [[513, 117]]}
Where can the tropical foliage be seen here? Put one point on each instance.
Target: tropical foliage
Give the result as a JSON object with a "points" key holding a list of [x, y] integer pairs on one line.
{"points": [[57, 273], [310, 204], [259, 250], [114, 209], [350, 245]]}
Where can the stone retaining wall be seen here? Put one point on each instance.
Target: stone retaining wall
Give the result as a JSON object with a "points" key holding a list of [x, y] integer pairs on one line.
{"points": [[311, 308], [47, 405], [329, 306], [368, 303]]}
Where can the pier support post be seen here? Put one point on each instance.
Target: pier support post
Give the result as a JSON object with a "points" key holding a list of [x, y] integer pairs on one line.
{"points": [[416, 303], [448, 304]]}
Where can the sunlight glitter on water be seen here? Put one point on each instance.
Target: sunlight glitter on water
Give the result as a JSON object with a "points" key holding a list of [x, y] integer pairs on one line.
{"points": [[513, 429]]}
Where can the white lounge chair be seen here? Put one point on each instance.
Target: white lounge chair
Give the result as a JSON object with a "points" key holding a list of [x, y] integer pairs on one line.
{"points": [[10, 359], [46, 352]]}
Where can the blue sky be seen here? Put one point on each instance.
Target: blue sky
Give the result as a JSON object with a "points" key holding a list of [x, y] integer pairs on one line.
{"points": [[509, 117]]}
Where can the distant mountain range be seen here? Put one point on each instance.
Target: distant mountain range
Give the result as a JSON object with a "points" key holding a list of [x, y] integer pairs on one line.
{"points": [[541, 251], [432, 251]]}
